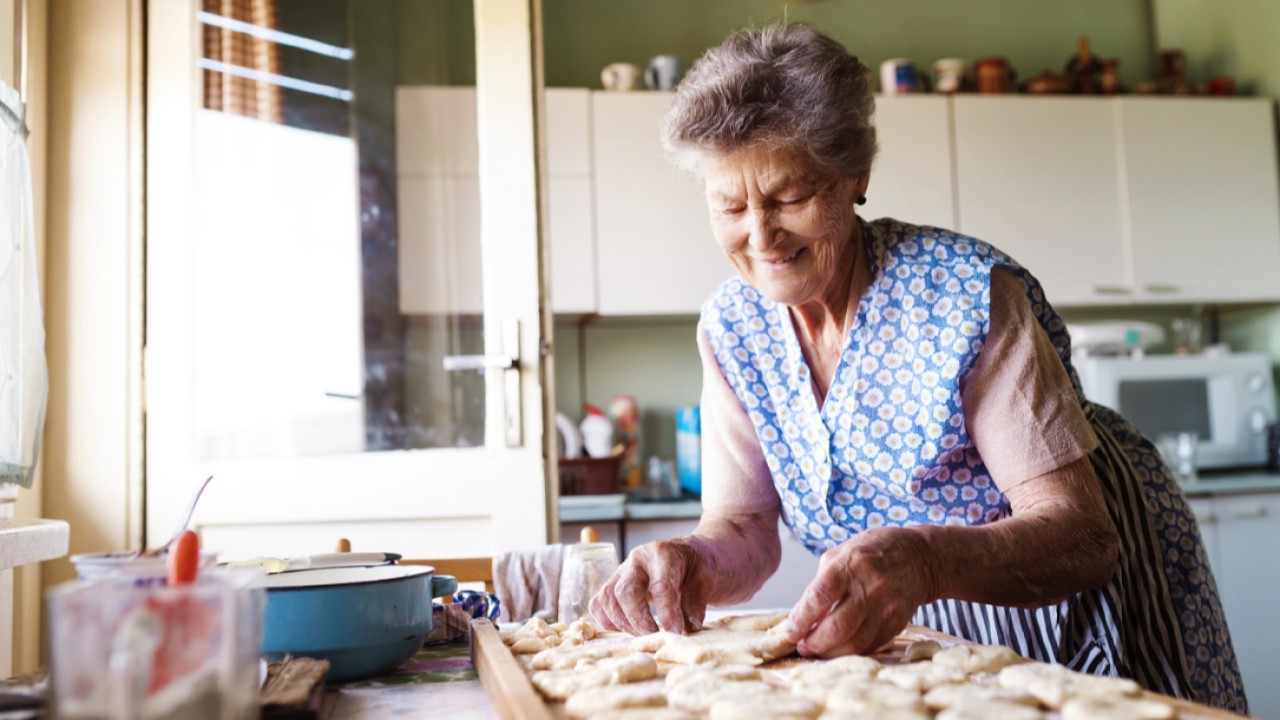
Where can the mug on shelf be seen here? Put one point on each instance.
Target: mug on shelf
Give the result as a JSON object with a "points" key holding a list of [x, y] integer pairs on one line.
{"points": [[948, 75], [620, 76], [994, 75], [899, 77], [664, 72]]}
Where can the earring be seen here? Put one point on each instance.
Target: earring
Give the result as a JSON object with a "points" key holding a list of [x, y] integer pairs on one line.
{"points": [[862, 199]]}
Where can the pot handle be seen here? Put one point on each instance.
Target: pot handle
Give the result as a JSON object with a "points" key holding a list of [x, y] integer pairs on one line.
{"points": [[442, 585]]}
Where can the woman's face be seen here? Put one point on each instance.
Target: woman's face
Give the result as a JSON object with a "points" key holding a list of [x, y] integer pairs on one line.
{"points": [[787, 227]]}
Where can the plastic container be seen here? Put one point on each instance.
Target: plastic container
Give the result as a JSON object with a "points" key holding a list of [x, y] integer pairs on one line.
{"points": [[597, 433], [689, 448], [625, 414], [144, 570], [589, 476]]}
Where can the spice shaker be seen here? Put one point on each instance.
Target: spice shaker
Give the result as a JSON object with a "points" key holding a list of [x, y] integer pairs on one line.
{"points": [[588, 565]]}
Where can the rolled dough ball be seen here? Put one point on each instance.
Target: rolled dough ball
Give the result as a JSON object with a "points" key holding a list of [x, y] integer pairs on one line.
{"points": [[565, 658], [529, 645], [699, 673], [921, 677], [700, 696], [921, 650], [614, 697], [978, 658], [864, 696]]}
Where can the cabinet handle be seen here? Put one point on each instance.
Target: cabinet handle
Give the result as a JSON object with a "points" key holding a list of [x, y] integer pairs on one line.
{"points": [[1112, 290], [1165, 288], [1251, 512]]}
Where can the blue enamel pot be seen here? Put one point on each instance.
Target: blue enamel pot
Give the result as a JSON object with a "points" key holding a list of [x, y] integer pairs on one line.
{"points": [[366, 621]]}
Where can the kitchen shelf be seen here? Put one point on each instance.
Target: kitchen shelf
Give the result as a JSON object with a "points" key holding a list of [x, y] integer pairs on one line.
{"points": [[32, 541]]}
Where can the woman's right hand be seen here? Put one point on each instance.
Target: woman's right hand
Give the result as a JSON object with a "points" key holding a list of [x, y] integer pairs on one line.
{"points": [[673, 574]]}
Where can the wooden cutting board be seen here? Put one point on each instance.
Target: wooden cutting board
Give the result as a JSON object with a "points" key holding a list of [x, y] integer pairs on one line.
{"points": [[507, 684]]}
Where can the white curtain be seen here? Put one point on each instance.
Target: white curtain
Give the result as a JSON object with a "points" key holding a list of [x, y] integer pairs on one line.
{"points": [[24, 381]]}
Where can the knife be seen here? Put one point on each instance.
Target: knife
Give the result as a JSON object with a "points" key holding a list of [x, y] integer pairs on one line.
{"points": [[273, 566]]}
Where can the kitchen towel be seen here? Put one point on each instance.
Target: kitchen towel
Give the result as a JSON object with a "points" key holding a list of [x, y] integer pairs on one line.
{"points": [[527, 583], [24, 380]]}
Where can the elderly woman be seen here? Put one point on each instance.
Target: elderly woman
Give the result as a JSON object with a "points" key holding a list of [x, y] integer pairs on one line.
{"points": [[904, 397]]}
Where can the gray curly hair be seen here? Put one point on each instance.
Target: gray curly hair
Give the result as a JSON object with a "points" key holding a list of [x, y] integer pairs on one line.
{"points": [[782, 86]]}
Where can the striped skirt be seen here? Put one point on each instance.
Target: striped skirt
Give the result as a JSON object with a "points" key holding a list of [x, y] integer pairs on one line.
{"points": [[1158, 621]]}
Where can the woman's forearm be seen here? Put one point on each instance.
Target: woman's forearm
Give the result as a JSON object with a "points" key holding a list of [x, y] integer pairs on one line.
{"points": [[1049, 549], [741, 552]]}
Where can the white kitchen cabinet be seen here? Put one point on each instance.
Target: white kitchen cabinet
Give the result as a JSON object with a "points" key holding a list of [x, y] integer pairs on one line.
{"points": [[655, 251], [1248, 576], [1206, 512], [1040, 179], [911, 180], [1202, 198], [439, 200]]}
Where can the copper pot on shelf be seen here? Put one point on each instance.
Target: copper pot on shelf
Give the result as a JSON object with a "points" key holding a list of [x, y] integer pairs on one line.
{"points": [[994, 75]]}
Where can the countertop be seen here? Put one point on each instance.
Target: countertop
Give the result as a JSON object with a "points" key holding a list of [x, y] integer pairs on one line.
{"points": [[617, 508]]}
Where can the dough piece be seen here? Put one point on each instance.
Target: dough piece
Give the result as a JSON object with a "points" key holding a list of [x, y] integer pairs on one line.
{"points": [[775, 707], [644, 713], [1053, 685], [817, 680], [508, 637], [921, 677], [921, 650], [614, 697], [559, 627], [561, 684], [536, 627], [583, 627], [700, 696], [863, 696], [760, 622], [978, 658], [991, 711], [680, 674], [1116, 708], [566, 658], [945, 696], [723, 647], [875, 714], [631, 667], [529, 646], [653, 642]]}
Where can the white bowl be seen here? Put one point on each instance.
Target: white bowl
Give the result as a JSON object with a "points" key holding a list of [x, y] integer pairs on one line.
{"points": [[144, 570]]}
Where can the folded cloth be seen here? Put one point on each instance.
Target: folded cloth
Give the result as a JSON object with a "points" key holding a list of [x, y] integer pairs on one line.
{"points": [[527, 583]]}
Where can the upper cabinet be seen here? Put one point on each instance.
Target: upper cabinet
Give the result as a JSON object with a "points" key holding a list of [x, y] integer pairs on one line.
{"points": [[1039, 178], [437, 172], [1108, 201], [656, 255], [911, 180], [1202, 189]]}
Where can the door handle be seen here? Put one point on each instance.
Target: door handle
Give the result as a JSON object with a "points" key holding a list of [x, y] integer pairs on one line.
{"points": [[1250, 512], [508, 361], [1164, 288], [1112, 290]]}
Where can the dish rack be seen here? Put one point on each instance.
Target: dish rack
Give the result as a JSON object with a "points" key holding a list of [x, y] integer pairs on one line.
{"points": [[589, 476]]}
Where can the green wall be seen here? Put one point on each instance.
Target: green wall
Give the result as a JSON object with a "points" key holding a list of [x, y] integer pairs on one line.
{"points": [[582, 36]]}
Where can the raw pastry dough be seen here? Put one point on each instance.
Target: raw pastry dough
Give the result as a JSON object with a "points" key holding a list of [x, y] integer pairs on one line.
{"points": [[945, 696], [1053, 685], [681, 674], [614, 697], [978, 658], [1116, 708], [775, 707], [699, 696], [561, 684], [652, 642], [991, 711], [631, 667], [864, 696], [530, 645], [724, 647], [761, 622], [921, 676], [644, 713], [921, 650], [816, 681], [876, 714], [565, 658]]}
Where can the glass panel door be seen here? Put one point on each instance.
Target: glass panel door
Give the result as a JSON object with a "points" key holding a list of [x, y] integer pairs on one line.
{"points": [[319, 242]]}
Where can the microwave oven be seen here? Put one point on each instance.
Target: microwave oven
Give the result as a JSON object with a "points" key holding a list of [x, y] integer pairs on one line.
{"points": [[1228, 400]]}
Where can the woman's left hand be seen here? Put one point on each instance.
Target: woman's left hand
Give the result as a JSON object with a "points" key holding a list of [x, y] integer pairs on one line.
{"points": [[864, 594]]}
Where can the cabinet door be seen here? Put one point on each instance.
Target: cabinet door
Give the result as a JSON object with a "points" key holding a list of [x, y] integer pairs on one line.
{"points": [[571, 242], [1203, 201], [656, 255], [1039, 178], [1250, 583], [911, 179]]}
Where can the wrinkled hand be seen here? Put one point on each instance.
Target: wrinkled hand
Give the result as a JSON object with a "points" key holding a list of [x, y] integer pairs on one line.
{"points": [[673, 574], [864, 594]]}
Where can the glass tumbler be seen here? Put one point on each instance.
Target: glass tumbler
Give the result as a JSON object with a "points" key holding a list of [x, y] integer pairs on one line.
{"points": [[587, 567], [1181, 452]]}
